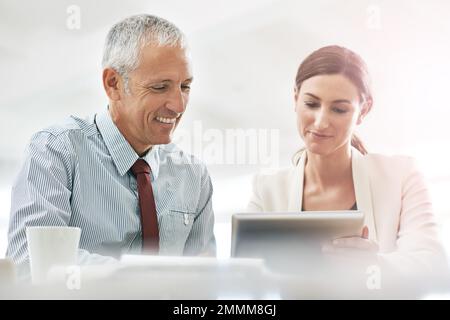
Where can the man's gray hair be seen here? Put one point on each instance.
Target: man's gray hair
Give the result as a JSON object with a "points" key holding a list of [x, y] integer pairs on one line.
{"points": [[126, 38]]}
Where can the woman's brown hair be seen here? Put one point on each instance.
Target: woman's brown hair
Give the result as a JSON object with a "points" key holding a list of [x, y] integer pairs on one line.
{"points": [[337, 60]]}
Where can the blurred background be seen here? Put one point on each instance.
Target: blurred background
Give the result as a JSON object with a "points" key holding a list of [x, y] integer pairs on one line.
{"points": [[240, 119]]}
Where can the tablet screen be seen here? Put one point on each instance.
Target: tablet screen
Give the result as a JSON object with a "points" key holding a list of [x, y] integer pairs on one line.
{"points": [[291, 238]]}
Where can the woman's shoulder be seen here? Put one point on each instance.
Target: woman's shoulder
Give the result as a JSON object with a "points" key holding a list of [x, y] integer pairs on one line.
{"points": [[273, 177], [388, 158], [395, 163]]}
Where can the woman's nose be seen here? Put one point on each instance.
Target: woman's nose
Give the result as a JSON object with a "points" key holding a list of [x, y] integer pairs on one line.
{"points": [[321, 120]]}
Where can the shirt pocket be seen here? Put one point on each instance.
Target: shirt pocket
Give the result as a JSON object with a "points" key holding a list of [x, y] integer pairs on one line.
{"points": [[175, 227]]}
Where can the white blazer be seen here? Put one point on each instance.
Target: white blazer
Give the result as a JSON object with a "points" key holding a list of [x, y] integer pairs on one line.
{"points": [[390, 192]]}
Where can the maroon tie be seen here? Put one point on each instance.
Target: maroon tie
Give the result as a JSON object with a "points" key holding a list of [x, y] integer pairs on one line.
{"points": [[149, 219]]}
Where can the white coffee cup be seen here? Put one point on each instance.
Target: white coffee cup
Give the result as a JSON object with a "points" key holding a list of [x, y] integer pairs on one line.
{"points": [[51, 246]]}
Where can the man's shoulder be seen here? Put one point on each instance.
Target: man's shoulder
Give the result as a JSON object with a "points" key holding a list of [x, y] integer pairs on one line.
{"points": [[70, 124], [171, 150], [62, 136], [66, 129], [171, 153]]}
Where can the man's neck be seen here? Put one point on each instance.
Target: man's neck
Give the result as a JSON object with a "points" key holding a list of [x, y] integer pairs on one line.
{"points": [[139, 148]]}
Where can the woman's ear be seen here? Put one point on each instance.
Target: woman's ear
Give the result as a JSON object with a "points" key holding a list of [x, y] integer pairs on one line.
{"points": [[365, 109], [296, 93]]}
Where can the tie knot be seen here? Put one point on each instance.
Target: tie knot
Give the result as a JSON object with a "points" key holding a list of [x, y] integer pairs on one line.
{"points": [[140, 166]]}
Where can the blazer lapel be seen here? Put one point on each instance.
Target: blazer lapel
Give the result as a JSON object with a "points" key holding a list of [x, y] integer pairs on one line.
{"points": [[296, 186], [363, 192], [361, 182]]}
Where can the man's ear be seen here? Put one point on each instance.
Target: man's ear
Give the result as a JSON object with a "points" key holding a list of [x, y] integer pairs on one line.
{"points": [[365, 109], [113, 84]]}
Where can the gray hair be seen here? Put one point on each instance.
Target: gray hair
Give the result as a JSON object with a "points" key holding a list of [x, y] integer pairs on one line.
{"points": [[126, 38]]}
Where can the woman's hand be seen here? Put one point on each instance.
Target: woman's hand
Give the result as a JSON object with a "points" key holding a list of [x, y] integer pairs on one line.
{"points": [[353, 247]]}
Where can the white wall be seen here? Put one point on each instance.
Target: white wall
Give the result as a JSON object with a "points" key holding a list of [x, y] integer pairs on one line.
{"points": [[245, 58]]}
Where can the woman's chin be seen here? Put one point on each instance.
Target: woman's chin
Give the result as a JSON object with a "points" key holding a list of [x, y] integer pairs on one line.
{"points": [[318, 149]]}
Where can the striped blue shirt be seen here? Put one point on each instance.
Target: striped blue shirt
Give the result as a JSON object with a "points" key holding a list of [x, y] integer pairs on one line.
{"points": [[79, 174]]}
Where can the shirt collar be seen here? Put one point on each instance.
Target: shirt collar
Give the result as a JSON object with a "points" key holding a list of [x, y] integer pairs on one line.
{"points": [[121, 151], [152, 158]]}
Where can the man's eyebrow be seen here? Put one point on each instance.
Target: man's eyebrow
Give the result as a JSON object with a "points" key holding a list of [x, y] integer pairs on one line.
{"points": [[159, 80]]}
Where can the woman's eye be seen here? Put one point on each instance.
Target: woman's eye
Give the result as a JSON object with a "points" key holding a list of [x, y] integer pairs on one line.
{"points": [[311, 104], [339, 110], [186, 87]]}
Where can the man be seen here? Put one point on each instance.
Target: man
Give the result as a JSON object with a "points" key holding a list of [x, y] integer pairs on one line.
{"points": [[117, 176]]}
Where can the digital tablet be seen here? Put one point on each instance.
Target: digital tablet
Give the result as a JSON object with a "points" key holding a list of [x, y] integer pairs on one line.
{"points": [[290, 237]]}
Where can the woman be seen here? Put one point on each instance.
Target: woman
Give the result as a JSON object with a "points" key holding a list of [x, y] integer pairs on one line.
{"points": [[335, 172]]}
